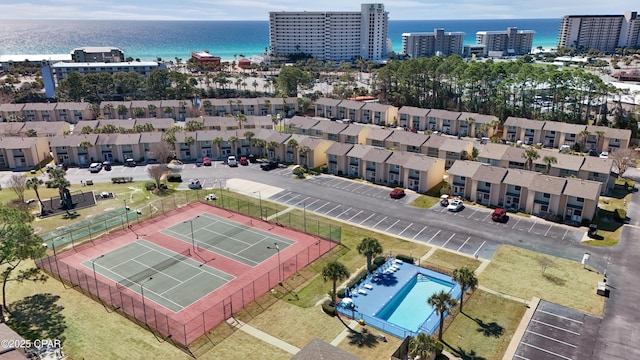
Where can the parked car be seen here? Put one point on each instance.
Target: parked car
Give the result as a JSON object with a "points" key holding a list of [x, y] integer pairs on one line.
{"points": [[565, 148], [455, 206], [106, 165], [252, 158], [231, 161], [269, 165], [95, 167], [499, 215], [206, 161], [195, 184], [444, 200], [593, 231], [244, 161], [593, 152], [130, 163], [210, 197], [604, 155], [396, 193]]}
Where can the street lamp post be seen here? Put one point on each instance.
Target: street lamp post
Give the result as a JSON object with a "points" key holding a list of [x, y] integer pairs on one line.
{"points": [[277, 248], [144, 308], [260, 199], [95, 278], [126, 211]]}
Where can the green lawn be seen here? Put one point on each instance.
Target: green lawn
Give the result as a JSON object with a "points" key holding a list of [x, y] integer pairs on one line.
{"points": [[449, 261]]}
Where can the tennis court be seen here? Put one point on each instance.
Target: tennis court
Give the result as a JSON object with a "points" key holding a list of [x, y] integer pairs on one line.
{"points": [[239, 242], [170, 279]]}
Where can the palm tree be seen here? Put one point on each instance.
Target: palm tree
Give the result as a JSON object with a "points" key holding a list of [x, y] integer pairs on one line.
{"points": [[369, 247], [599, 135], [138, 112], [423, 346], [584, 134], [33, 183], [259, 143], [466, 279], [530, 155], [271, 146], [218, 142], [207, 107], [109, 107], [549, 160], [334, 271], [442, 302], [293, 145], [304, 151], [470, 122], [232, 140]]}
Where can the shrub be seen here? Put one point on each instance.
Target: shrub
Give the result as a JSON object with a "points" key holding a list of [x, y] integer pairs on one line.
{"points": [[163, 186], [324, 169], [299, 172], [405, 258], [340, 293], [621, 214], [150, 186], [357, 279], [328, 308], [377, 262], [174, 178], [439, 348]]}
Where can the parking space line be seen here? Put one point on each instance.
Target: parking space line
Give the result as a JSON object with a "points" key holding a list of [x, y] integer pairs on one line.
{"points": [[446, 242], [555, 327], [545, 350], [486, 217], [293, 198], [284, 193], [385, 218], [397, 221], [351, 218], [560, 316], [436, 234], [370, 216], [337, 206], [550, 338], [354, 190], [464, 243], [531, 228], [303, 200], [565, 234], [342, 213], [328, 202], [475, 254], [420, 232], [474, 212], [516, 224], [405, 229], [520, 357], [550, 226]]}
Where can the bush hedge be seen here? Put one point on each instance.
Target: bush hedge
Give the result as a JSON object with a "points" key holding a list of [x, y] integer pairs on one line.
{"points": [[328, 308], [150, 186], [340, 293], [121, 179], [357, 279], [405, 258], [174, 178], [377, 262]]}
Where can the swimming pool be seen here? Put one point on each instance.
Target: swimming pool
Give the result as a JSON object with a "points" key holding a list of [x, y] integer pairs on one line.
{"points": [[409, 308]]}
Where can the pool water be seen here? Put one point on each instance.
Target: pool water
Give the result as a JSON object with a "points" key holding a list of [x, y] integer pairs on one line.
{"points": [[409, 308]]}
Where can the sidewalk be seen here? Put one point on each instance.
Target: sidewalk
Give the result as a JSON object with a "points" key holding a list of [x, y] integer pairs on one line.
{"points": [[263, 336]]}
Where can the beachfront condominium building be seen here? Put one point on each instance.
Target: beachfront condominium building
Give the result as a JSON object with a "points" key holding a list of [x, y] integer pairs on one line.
{"points": [[331, 36], [506, 42], [97, 54], [600, 32], [436, 43]]}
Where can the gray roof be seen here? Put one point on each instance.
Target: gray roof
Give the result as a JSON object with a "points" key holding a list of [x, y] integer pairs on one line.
{"points": [[339, 149], [158, 123], [407, 138], [219, 121], [514, 154], [46, 127], [278, 137], [493, 151], [455, 145], [611, 133], [374, 106], [39, 106], [174, 103], [125, 123], [82, 123], [353, 130], [11, 128], [127, 139], [519, 177], [478, 118], [328, 102], [150, 137], [435, 141], [464, 168], [413, 111], [72, 106], [421, 162], [350, 104], [107, 139], [597, 165], [303, 122], [490, 174], [444, 114], [564, 161], [311, 142], [377, 155], [317, 349], [358, 151], [115, 104], [145, 103], [11, 107], [330, 127], [73, 140], [548, 184], [582, 188], [379, 134], [563, 127], [524, 123], [259, 120], [399, 158]]}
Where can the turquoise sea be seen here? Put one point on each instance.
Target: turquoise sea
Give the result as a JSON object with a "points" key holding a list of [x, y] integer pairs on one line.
{"points": [[149, 40]]}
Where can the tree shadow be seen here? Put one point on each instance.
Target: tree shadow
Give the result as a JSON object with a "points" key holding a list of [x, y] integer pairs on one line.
{"points": [[363, 338], [489, 329], [555, 279], [468, 355], [38, 317]]}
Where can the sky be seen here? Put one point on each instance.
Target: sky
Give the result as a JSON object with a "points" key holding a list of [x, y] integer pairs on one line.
{"points": [[259, 10]]}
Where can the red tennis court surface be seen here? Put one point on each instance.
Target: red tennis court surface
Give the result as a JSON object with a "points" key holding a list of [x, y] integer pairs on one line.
{"points": [[122, 284]]}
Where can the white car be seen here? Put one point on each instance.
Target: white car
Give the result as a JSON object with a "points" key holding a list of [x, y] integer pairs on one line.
{"points": [[455, 205], [231, 161], [604, 155], [95, 167], [210, 197]]}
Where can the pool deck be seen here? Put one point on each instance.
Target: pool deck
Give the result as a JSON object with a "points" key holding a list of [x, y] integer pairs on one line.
{"points": [[371, 296]]}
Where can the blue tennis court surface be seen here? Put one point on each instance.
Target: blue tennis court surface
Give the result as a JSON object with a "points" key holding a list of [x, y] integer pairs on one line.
{"points": [[172, 280], [239, 242], [394, 299]]}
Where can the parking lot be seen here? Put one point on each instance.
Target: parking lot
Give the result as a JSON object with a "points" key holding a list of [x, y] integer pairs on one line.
{"points": [[557, 332]]}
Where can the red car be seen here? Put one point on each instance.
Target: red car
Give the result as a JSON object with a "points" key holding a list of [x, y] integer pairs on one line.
{"points": [[206, 161], [396, 193], [244, 161], [499, 215]]}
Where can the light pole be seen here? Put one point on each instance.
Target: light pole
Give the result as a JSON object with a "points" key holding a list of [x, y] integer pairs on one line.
{"points": [[144, 308], [260, 198], [95, 278], [304, 215], [126, 212], [277, 248]]}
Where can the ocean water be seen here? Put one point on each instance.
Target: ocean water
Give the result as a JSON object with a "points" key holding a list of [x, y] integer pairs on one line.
{"points": [[149, 40]]}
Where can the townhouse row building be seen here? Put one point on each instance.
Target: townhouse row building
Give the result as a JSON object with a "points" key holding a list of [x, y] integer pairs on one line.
{"points": [[568, 199], [179, 110], [554, 134]]}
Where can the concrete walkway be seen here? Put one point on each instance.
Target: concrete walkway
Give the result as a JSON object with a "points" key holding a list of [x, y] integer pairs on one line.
{"points": [[263, 336], [343, 335], [522, 327]]}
